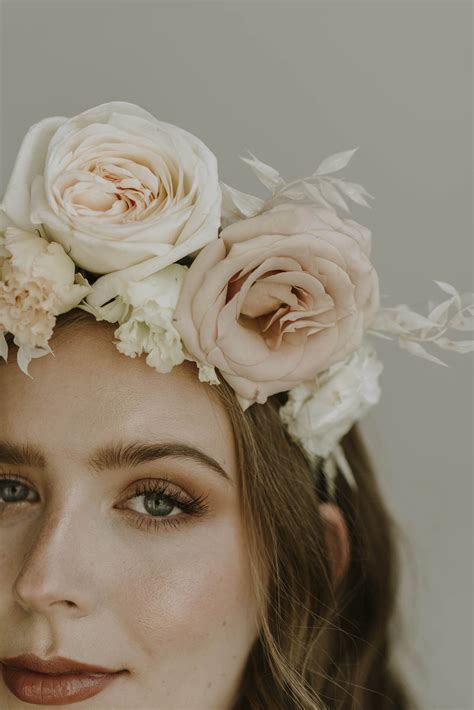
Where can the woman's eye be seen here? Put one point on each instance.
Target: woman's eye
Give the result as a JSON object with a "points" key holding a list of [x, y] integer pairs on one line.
{"points": [[154, 503], [157, 503], [13, 491]]}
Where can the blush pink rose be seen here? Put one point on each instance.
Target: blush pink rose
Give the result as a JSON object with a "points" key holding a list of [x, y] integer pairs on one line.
{"points": [[278, 298]]}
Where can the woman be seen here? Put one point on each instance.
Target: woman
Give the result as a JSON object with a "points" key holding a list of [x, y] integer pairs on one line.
{"points": [[195, 525], [211, 580]]}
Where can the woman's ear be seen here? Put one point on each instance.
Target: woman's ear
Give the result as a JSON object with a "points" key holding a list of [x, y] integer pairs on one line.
{"points": [[337, 539]]}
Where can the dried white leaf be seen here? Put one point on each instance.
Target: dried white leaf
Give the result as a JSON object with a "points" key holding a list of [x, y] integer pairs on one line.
{"points": [[464, 318], [335, 162], [331, 194], [419, 350], [354, 192], [293, 193], [246, 205], [461, 322], [449, 289], [314, 193], [369, 331], [344, 466], [439, 314], [459, 346], [385, 320], [270, 177], [399, 320], [353, 186], [411, 320]]}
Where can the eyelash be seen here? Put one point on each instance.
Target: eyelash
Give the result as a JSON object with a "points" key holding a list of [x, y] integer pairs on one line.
{"points": [[191, 505]]}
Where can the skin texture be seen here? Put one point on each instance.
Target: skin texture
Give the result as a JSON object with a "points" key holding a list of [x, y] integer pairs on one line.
{"points": [[174, 606]]}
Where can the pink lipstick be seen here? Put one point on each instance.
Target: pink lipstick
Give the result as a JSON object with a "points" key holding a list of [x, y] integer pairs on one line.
{"points": [[55, 681]]}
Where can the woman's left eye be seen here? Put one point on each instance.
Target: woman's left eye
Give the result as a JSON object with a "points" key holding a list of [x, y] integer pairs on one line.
{"points": [[12, 490], [156, 503]]}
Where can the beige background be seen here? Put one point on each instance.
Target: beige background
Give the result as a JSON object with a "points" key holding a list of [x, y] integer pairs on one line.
{"points": [[295, 82]]}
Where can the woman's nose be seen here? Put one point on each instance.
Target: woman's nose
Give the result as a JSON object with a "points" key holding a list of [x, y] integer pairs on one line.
{"points": [[56, 575]]}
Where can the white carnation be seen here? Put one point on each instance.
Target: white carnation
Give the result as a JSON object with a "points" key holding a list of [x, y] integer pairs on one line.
{"points": [[320, 412], [37, 283], [144, 310]]}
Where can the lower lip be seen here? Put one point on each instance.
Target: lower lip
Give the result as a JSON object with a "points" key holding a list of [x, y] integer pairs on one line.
{"points": [[46, 689]]}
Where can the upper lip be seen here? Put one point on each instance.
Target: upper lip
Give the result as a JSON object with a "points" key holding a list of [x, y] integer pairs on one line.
{"points": [[54, 665]]}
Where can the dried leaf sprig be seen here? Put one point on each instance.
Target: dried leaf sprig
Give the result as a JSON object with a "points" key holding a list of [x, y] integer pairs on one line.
{"points": [[456, 312], [318, 187]]}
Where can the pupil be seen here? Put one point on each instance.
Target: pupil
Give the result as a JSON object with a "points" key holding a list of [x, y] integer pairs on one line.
{"points": [[13, 492], [157, 504]]}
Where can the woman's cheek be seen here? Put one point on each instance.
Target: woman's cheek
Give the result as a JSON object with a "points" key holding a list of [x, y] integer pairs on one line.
{"points": [[198, 588]]}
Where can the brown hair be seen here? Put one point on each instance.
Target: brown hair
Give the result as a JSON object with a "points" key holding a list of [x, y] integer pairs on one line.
{"points": [[321, 646]]}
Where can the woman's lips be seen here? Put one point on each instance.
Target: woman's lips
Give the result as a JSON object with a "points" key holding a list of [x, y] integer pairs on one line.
{"points": [[55, 689]]}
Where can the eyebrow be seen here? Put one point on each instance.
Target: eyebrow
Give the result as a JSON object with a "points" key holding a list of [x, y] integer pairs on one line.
{"points": [[114, 456]]}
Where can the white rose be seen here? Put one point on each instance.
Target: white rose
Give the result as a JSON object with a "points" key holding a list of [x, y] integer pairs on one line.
{"points": [[120, 190], [320, 412], [38, 282]]}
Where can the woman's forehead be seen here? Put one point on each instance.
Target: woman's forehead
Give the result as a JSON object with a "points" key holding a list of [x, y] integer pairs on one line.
{"points": [[88, 393]]}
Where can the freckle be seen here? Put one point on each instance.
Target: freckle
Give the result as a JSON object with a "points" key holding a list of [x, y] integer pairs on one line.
{"points": [[209, 684], [224, 623]]}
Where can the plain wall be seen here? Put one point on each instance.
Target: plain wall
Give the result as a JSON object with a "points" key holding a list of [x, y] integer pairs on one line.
{"points": [[295, 82]]}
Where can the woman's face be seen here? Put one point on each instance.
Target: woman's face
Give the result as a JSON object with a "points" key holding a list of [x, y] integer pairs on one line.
{"points": [[133, 562]]}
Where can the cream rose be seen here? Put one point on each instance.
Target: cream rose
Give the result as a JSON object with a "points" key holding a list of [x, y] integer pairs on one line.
{"points": [[279, 298], [121, 191]]}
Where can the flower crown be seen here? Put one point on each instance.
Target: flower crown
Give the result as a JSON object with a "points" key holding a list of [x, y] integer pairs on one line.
{"points": [[124, 216]]}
